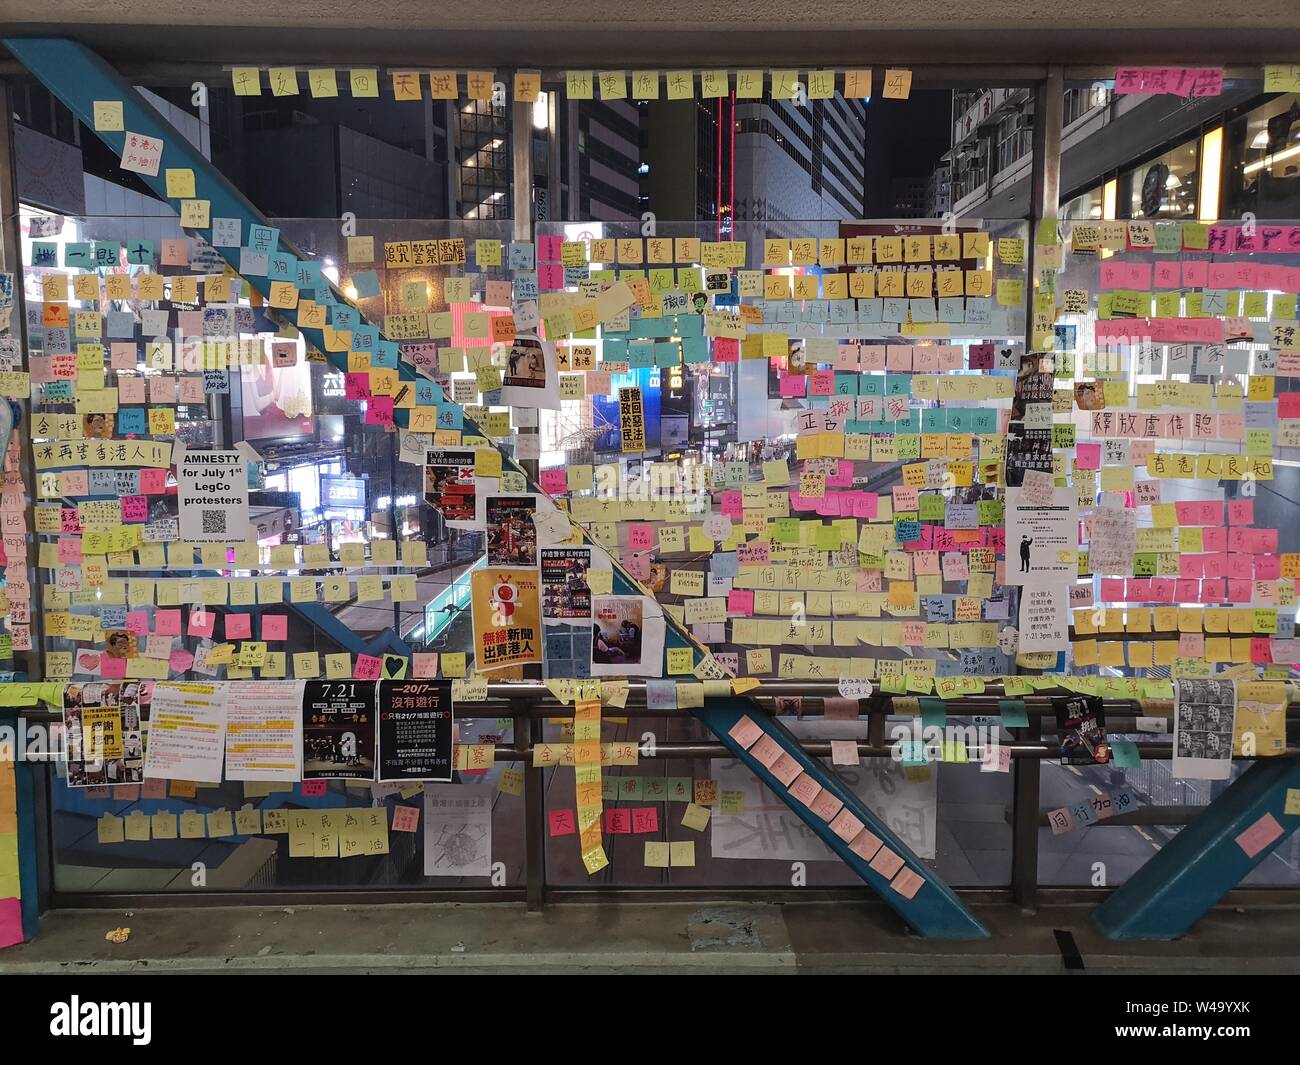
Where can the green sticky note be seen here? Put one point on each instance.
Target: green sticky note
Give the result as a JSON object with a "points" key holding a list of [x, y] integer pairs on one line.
{"points": [[933, 712], [1124, 754], [1013, 713], [680, 789], [629, 787]]}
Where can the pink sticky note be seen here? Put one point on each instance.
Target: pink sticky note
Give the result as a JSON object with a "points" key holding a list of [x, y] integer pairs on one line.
{"points": [[11, 922], [167, 622], [1088, 456], [645, 819], [239, 626], [640, 537], [180, 660], [379, 410], [740, 601], [555, 482], [153, 788], [746, 732], [367, 667], [1259, 835], [313, 788], [424, 665], [562, 822], [112, 667], [275, 626], [406, 818], [202, 622]]}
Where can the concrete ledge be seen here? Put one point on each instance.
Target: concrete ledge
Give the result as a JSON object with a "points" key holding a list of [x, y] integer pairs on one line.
{"points": [[614, 938]]}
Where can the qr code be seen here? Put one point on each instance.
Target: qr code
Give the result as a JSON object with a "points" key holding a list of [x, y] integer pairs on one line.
{"points": [[214, 521]]}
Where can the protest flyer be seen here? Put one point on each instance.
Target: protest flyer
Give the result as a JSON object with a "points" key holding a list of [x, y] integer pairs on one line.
{"points": [[264, 731], [187, 732], [449, 485], [415, 730], [565, 591], [103, 735], [1081, 730], [338, 730], [1204, 715], [627, 639], [511, 534], [507, 615]]}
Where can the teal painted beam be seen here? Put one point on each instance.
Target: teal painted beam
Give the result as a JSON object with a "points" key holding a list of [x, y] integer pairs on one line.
{"points": [[933, 911], [78, 78], [1208, 858]]}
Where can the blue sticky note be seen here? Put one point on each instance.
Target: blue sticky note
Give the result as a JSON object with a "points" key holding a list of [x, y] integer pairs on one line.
{"points": [[366, 283], [79, 255], [281, 266], [131, 421], [263, 238], [365, 338], [1125, 754], [933, 712], [1013, 713], [345, 319]]}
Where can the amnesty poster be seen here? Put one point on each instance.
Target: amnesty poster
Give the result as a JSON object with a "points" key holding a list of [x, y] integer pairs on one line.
{"points": [[212, 496], [631, 419], [338, 730], [415, 730], [507, 612]]}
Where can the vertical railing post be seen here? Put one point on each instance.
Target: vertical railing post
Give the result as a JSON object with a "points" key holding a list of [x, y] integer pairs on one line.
{"points": [[1044, 202], [526, 734]]}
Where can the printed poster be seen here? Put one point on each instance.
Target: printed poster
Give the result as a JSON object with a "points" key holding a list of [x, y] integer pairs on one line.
{"points": [[532, 375], [511, 533], [457, 830], [1042, 539], [103, 736], [449, 485], [631, 419], [1204, 714], [565, 592], [415, 730], [1081, 730], [338, 730], [212, 496], [187, 733], [627, 637], [507, 614], [264, 730]]}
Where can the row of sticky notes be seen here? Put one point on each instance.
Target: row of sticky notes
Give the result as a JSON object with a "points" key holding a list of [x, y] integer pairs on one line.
{"points": [[579, 84]]}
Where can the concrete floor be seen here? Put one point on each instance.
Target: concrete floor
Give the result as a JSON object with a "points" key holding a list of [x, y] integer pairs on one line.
{"points": [[610, 938]]}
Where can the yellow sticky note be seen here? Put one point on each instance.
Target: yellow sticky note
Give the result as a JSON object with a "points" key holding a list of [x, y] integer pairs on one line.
{"points": [[364, 81], [284, 81], [898, 84], [108, 115], [246, 81], [1292, 802], [323, 82], [487, 462], [180, 183]]}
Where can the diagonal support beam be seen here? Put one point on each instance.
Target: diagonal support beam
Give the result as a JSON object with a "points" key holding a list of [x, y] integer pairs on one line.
{"points": [[1208, 858], [78, 78]]}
